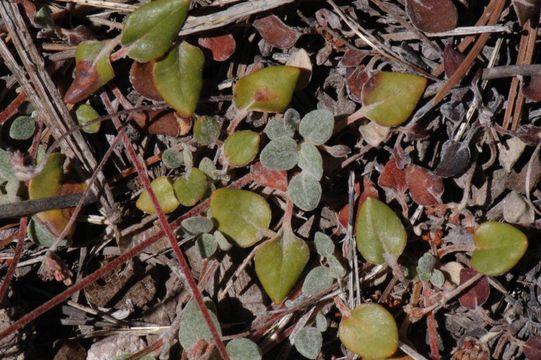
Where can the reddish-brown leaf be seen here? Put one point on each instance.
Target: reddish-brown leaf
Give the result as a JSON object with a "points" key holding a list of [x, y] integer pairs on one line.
{"points": [[432, 15], [166, 122], [532, 348], [274, 179], [352, 58], [276, 33], [84, 84], [221, 47], [393, 176], [343, 214], [76, 35], [526, 9], [425, 187], [355, 81], [142, 80], [477, 294], [532, 89], [451, 60], [327, 18]]}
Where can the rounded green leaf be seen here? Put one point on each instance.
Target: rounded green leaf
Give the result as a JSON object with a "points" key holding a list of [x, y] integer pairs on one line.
{"points": [[317, 126], [370, 332], [498, 248], [206, 130], [173, 158], [305, 191], [269, 89], [243, 349], [379, 232], [163, 189], [276, 128], [179, 77], [22, 128], [242, 215], [207, 245], [393, 95], [279, 263], [310, 160], [324, 244], [193, 326], [317, 280], [279, 154], [241, 147], [196, 225], [192, 188], [308, 342], [151, 29], [86, 114]]}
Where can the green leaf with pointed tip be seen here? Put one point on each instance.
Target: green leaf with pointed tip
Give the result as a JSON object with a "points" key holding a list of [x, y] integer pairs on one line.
{"points": [[379, 232], [93, 69], [308, 342], [317, 126], [269, 89], [279, 154], [241, 147], [206, 130], [394, 95], [310, 160], [151, 29], [498, 248], [242, 215], [86, 114], [279, 264], [192, 188], [243, 349], [163, 189], [179, 77], [370, 332], [305, 191], [22, 128], [193, 326]]}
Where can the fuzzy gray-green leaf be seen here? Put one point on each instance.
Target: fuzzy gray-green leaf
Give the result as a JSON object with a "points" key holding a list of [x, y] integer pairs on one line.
{"points": [[277, 128], [317, 126], [310, 160], [243, 349], [22, 128], [305, 191], [308, 342], [317, 280], [279, 154]]}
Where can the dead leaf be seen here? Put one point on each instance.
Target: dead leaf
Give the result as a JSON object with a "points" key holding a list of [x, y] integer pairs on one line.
{"points": [[455, 159], [352, 58], [221, 47], [425, 187], [276, 33], [392, 176], [451, 60], [477, 294], [432, 15], [142, 80], [532, 88], [526, 9], [271, 178], [163, 122]]}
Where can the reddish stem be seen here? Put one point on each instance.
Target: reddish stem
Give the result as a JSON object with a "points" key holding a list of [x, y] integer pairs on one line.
{"points": [[15, 260], [12, 108]]}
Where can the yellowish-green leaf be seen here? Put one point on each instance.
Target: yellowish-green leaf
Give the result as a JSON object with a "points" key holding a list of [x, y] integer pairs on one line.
{"points": [[379, 232], [241, 147], [151, 29], [192, 188], [165, 194], [279, 264], [393, 95], [241, 215], [498, 248], [269, 89], [179, 77], [370, 332], [86, 114]]}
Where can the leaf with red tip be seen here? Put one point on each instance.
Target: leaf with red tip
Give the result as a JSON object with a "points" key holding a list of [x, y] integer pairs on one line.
{"points": [[276, 33], [355, 82], [425, 187], [432, 15], [92, 70], [477, 294], [142, 80], [221, 47], [393, 96], [269, 89]]}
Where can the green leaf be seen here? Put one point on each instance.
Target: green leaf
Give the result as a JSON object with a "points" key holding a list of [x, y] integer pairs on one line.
{"points": [[269, 89], [279, 263], [277, 128], [153, 27], [379, 232], [305, 191], [179, 77], [173, 158], [41, 235], [321, 322], [317, 280], [86, 114], [394, 95], [6, 168], [437, 278], [498, 248], [241, 147], [196, 225], [279, 154], [317, 126], [163, 189], [191, 188], [193, 326], [207, 245], [370, 332], [310, 160], [206, 130], [336, 267], [324, 244], [243, 349], [308, 342], [93, 69], [222, 241], [426, 264], [22, 128], [241, 215]]}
